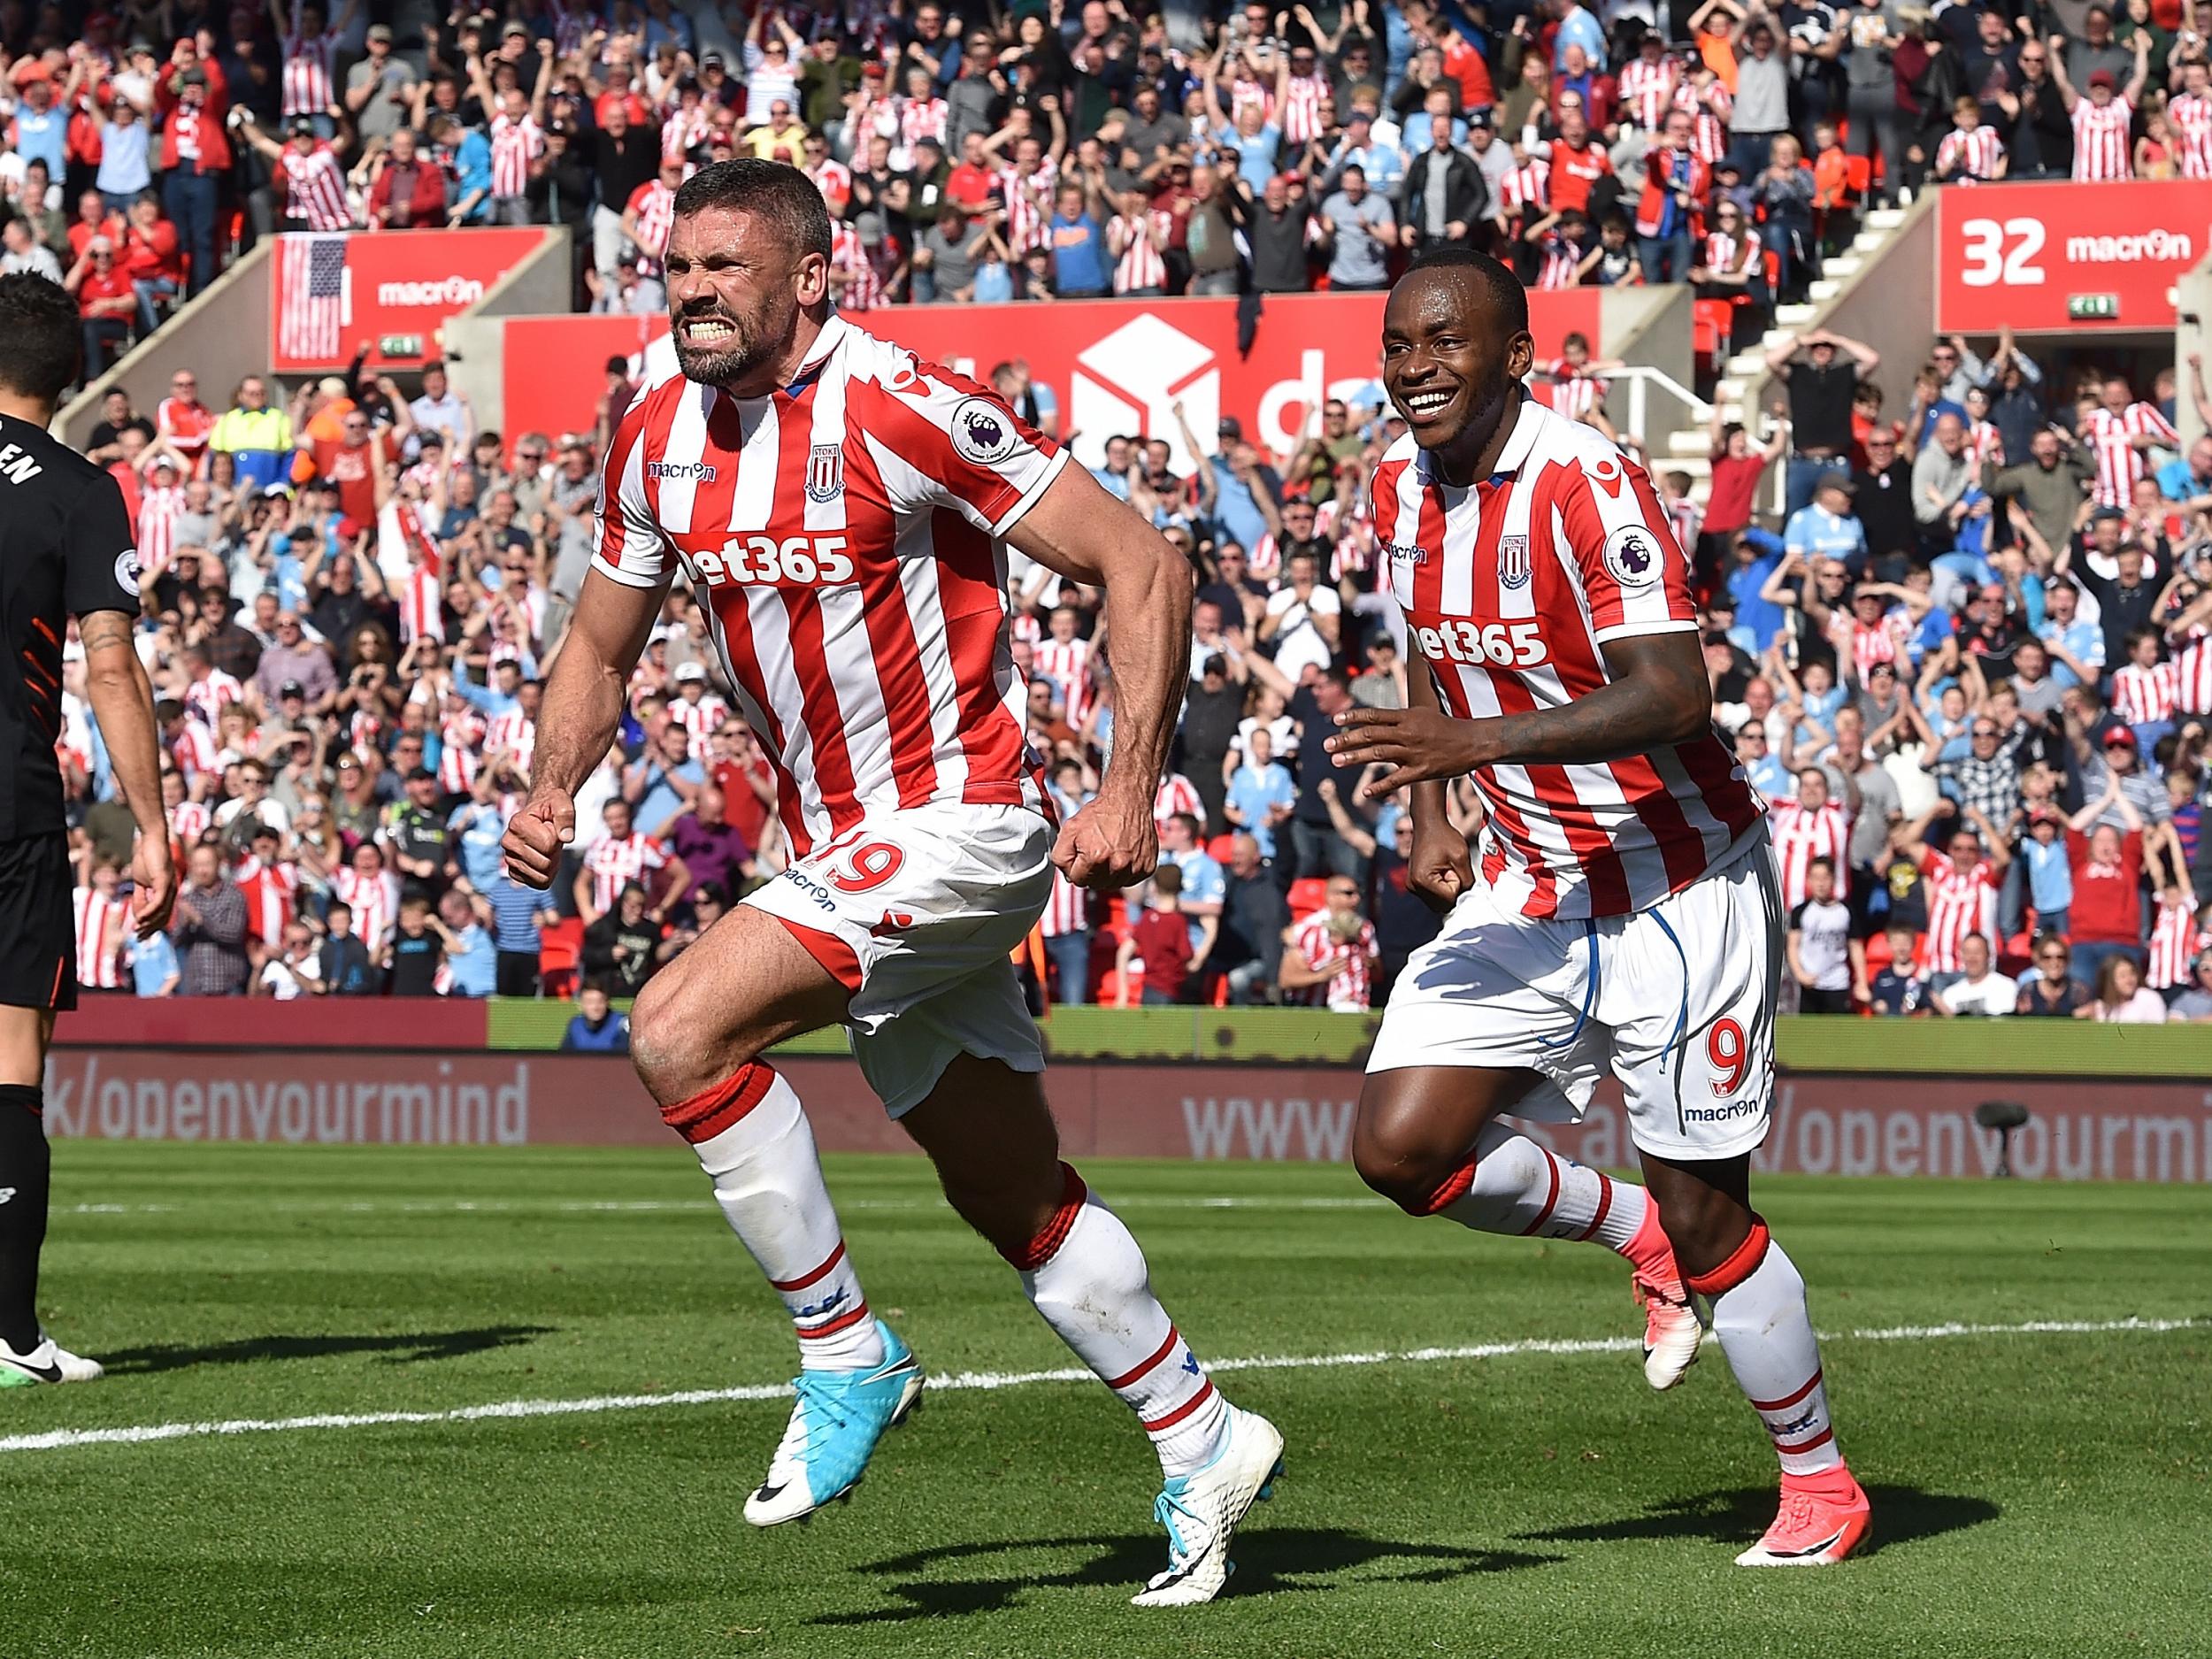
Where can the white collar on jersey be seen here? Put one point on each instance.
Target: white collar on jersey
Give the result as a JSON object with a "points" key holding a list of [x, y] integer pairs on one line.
{"points": [[1528, 426], [834, 328]]}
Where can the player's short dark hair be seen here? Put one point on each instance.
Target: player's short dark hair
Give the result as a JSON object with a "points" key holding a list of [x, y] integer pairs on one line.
{"points": [[771, 190], [42, 338], [1501, 288]]}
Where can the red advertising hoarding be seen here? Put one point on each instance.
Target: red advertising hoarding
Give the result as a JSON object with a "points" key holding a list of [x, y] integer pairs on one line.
{"points": [[2078, 1129], [396, 290], [2064, 257], [1118, 366]]}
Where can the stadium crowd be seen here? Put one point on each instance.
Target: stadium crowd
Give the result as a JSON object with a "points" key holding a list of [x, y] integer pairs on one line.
{"points": [[1072, 147], [1969, 672]]}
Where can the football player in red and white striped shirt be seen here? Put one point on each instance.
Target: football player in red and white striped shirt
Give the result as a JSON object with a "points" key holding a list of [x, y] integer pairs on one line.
{"points": [[2190, 115], [839, 507], [1970, 153], [103, 927], [1809, 827], [2118, 430], [2103, 115], [1620, 915]]}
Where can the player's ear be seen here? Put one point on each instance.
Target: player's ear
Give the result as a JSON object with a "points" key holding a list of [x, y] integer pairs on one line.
{"points": [[1520, 355], [811, 279]]}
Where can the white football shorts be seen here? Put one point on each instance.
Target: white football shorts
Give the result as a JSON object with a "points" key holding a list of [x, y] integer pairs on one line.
{"points": [[918, 912], [1678, 1000]]}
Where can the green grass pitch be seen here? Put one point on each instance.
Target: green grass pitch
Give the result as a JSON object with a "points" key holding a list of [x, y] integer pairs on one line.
{"points": [[2035, 1494]]}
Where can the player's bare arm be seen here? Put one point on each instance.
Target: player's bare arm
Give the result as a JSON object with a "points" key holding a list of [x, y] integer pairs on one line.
{"points": [[1441, 868], [1658, 695], [582, 706], [1078, 530], [122, 701]]}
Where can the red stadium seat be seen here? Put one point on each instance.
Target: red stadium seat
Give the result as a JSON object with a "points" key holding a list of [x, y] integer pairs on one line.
{"points": [[560, 948], [1712, 328], [1308, 895], [1858, 176], [1219, 847]]}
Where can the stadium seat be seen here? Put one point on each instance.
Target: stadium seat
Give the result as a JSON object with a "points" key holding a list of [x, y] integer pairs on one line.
{"points": [[1712, 329], [1219, 847], [1308, 895], [560, 948], [1858, 176]]}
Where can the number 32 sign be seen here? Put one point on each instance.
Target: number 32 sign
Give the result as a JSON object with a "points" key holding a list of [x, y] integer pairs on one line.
{"points": [[2024, 253]]}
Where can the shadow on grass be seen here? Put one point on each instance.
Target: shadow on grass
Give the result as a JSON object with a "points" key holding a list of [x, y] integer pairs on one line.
{"points": [[407, 1350], [1902, 1515], [1289, 1559]]}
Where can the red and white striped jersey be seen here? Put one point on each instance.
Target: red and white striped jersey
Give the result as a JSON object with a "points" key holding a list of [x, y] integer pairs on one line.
{"points": [[1251, 92], [315, 190], [2192, 678], [2142, 696], [2100, 140], [270, 893], [1527, 188], [1863, 647], [103, 924], [311, 68], [1725, 252], [1646, 89], [918, 119], [374, 902], [195, 752], [1136, 244], [207, 698], [1967, 157], [159, 506], [654, 205], [684, 131], [515, 734], [189, 821], [1302, 99], [1177, 794], [835, 181], [1562, 266], [1067, 665], [515, 145], [2119, 462], [1068, 908], [1028, 199], [2190, 115], [615, 864], [703, 720], [1510, 586], [1986, 445], [1959, 902], [1685, 518], [459, 734], [1803, 835], [2176, 940], [842, 536], [1351, 986], [863, 288], [1709, 112], [1575, 391]]}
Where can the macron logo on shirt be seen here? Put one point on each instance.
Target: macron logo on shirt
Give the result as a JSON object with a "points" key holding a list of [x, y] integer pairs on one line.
{"points": [[16, 467]]}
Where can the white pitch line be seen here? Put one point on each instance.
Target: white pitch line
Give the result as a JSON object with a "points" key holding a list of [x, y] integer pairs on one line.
{"points": [[705, 1205], [991, 1382]]}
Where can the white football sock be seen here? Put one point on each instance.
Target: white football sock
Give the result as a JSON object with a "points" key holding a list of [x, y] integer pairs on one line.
{"points": [[768, 1180], [1514, 1185], [1758, 1306], [1088, 1277]]}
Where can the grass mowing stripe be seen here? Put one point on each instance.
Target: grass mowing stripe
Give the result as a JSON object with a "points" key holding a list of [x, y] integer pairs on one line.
{"points": [[469, 1206], [63, 1440]]}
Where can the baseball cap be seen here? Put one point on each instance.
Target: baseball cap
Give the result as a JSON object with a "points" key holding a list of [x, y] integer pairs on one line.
{"points": [[291, 689], [874, 70], [1230, 427], [100, 244], [2102, 77], [193, 78], [2105, 514], [2119, 737], [301, 127], [1835, 481], [380, 32], [689, 671], [515, 25]]}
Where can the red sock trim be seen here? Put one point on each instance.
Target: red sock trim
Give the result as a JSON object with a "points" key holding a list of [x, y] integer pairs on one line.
{"points": [[1787, 1400], [1551, 1198], [1158, 1354], [1741, 1264], [804, 1279], [712, 1109], [1154, 1425], [1456, 1187], [835, 955], [1605, 1202], [844, 1321], [1813, 1445], [1053, 1233]]}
